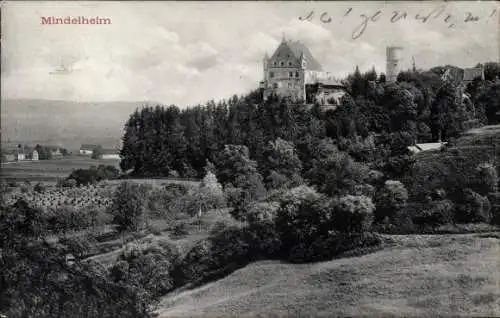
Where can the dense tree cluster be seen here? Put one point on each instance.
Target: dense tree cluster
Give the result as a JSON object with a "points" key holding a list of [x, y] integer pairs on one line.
{"points": [[163, 141]]}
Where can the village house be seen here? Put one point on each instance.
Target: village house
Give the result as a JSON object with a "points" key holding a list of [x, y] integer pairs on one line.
{"points": [[110, 154], [87, 149], [293, 72]]}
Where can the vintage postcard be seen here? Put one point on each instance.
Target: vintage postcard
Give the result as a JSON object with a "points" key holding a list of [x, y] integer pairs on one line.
{"points": [[250, 159]]}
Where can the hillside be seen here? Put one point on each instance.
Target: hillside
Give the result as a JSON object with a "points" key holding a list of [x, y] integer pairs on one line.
{"points": [[454, 167], [65, 123], [418, 275]]}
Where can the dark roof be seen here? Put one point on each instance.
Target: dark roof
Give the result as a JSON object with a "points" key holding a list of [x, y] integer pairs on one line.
{"points": [[298, 49], [88, 147], [471, 73]]}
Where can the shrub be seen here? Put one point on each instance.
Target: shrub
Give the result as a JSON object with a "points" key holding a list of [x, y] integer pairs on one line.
{"points": [[197, 263], [473, 208], [303, 216], [180, 230], [94, 174], [66, 218], [487, 178], [262, 212], [334, 245], [353, 213], [66, 183], [80, 246], [39, 187], [150, 265], [264, 240], [440, 212], [128, 205]]}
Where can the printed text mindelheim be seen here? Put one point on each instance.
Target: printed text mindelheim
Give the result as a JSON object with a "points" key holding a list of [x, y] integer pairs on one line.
{"points": [[75, 20]]}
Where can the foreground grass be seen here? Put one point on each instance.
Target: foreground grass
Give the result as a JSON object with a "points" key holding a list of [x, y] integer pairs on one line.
{"points": [[417, 275]]}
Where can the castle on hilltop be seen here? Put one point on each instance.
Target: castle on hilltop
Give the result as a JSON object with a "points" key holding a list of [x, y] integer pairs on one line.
{"points": [[293, 72]]}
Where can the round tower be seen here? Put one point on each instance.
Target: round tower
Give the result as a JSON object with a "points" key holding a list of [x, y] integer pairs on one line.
{"points": [[394, 56]]}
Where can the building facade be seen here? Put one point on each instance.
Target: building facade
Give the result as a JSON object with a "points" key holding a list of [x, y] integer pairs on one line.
{"points": [[291, 70]]}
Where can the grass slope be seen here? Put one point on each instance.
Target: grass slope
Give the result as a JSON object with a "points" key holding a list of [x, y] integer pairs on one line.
{"points": [[49, 170], [419, 275]]}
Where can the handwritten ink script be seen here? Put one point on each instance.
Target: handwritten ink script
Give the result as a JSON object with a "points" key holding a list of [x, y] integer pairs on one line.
{"points": [[438, 14]]}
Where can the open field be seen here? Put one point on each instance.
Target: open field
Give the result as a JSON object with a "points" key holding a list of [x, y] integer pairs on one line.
{"points": [[49, 170], [416, 275]]}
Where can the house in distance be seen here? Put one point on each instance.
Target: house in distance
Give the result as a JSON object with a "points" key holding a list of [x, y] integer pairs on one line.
{"points": [[110, 154], [87, 149]]}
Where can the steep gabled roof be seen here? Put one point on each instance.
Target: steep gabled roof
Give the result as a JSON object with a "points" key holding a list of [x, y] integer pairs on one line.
{"points": [[297, 49]]}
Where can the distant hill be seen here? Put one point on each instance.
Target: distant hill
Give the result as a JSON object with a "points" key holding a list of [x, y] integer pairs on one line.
{"points": [[64, 123]]}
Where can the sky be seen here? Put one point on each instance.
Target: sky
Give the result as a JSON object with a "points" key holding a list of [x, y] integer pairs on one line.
{"points": [[186, 53]]}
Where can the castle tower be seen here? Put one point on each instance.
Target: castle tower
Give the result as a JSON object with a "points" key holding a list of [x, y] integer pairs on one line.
{"points": [[394, 64]]}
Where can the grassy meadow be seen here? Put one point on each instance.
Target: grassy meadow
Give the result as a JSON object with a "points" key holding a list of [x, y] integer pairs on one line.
{"points": [[416, 275], [49, 170]]}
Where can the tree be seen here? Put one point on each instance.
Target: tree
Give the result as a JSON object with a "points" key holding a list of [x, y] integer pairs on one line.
{"points": [[447, 113], [97, 152], [235, 167], [335, 172], [488, 100], [390, 200], [353, 213], [44, 153], [283, 166], [128, 206]]}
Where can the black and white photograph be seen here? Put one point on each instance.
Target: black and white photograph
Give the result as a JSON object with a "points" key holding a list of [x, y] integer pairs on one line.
{"points": [[250, 159]]}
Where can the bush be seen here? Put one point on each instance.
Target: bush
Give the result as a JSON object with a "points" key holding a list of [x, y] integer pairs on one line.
{"points": [[264, 240], [67, 218], [39, 187], [303, 216], [353, 214], [262, 212], [94, 174], [440, 212], [66, 183], [180, 230], [487, 178], [150, 265], [128, 206], [473, 208], [197, 263], [334, 245]]}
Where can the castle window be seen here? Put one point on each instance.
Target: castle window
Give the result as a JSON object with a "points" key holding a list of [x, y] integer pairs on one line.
{"points": [[275, 63], [275, 85], [271, 74], [282, 63], [296, 74], [290, 74], [289, 63]]}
